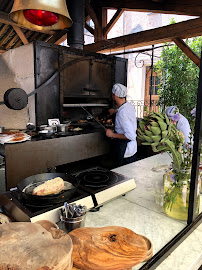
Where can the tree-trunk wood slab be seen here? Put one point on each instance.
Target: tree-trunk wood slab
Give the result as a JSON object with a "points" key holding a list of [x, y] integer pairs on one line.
{"points": [[107, 248], [29, 246]]}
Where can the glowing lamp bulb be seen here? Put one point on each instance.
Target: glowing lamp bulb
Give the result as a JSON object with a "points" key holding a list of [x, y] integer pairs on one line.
{"points": [[41, 17]]}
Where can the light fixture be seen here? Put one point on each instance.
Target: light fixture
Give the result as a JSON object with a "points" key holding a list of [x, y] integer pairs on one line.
{"points": [[41, 14]]}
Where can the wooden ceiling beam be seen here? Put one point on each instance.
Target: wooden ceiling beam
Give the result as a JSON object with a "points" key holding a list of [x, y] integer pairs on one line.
{"points": [[4, 18], [5, 37], [187, 50], [2, 51], [11, 42], [113, 20], [57, 37], [61, 40], [21, 35], [34, 36], [92, 13], [186, 29], [90, 29], [87, 18], [186, 7], [19, 41], [3, 29]]}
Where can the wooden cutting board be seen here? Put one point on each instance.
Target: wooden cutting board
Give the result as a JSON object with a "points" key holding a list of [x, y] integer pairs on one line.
{"points": [[32, 246], [108, 248]]}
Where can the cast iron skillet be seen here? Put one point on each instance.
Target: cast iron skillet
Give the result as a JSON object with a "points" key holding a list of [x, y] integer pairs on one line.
{"points": [[48, 199]]}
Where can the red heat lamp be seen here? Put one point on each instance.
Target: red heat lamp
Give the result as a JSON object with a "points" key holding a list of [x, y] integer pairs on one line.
{"points": [[41, 17]]}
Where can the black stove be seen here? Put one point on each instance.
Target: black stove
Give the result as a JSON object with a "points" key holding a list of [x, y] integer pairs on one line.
{"points": [[103, 185], [97, 186], [14, 205], [96, 178]]}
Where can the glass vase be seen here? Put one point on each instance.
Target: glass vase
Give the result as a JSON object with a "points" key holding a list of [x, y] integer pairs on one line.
{"points": [[176, 193]]}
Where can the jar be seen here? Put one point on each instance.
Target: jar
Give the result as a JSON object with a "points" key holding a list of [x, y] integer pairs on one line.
{"points": [[176, 193]]}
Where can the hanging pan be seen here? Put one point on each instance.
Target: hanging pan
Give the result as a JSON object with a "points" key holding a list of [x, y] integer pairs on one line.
{"points": [[27, 185]]}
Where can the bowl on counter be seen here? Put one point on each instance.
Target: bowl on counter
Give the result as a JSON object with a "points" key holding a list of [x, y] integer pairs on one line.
{"points": [[46, 133], [46, 127], [62, 127]]}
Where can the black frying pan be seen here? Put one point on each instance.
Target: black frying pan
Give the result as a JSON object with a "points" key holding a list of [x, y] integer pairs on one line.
{"points": [[35, 180]]}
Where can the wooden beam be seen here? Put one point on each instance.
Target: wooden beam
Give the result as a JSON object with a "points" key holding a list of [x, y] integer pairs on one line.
{"points": [[11, 42], [6, 36], [186, 29], [61, 40], [186, 7], [87, 18], [19, 41], [2, 51], [34, 36], [113, 20], [92, 13], [3, 29], [57, 37], [21, 35], [90, 29], [187, 50], [4, 18]]}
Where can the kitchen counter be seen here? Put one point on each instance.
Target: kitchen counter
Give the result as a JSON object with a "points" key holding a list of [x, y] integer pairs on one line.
{"points": [[138, 211], [28, 158]]}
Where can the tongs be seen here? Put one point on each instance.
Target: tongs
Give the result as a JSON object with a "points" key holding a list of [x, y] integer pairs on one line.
{"points": [[92, 117]]}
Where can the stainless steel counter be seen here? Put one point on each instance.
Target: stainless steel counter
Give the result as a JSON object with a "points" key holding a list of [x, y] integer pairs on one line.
{"points": [[34, 157]]}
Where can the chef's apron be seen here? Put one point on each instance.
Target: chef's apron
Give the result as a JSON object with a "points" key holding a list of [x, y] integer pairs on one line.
{"points": [[119, 151]]}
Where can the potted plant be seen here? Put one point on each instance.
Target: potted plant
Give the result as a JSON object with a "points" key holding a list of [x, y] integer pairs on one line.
{"points": [[158, 131]]}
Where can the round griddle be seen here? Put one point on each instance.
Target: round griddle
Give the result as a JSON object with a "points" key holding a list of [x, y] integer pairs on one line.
{"points": [[48, 199]]}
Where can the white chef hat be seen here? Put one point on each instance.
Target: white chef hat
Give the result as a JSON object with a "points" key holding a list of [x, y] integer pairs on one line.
{"points": [[172, 110], [119, 90]]}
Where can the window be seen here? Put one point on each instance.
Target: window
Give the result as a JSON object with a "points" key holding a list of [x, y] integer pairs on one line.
{"points": [[155, 84]]}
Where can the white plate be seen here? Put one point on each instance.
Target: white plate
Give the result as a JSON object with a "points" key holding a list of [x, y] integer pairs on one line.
{"points": [[23, 140]]}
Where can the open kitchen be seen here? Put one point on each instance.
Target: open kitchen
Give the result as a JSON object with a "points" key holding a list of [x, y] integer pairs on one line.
{"points": [[63, 202]]}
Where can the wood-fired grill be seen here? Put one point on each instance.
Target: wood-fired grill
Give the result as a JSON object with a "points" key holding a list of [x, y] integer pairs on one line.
{"points": [[64, 80]]}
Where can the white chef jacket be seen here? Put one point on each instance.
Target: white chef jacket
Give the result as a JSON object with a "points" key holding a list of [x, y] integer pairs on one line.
{"points": [[126, 123], [184, 127]]}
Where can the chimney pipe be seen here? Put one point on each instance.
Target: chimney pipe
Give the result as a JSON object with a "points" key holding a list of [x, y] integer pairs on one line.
{"points": [[75, 35]]}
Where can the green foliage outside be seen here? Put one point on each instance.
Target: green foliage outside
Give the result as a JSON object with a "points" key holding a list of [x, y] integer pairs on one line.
{"points": [[179, 77]]}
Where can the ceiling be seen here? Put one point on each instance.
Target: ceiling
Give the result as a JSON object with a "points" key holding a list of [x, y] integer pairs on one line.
{"points": [[12, 36]]}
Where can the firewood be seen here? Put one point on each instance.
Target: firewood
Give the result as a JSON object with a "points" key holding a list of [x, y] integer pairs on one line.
{"points": [[107, 248]]}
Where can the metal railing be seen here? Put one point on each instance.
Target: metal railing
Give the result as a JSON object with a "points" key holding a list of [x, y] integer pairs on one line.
{"points": [[142, 107]]}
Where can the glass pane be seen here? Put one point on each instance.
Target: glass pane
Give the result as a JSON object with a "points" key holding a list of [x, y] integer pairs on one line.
{"points": [[157, 80], [156, 90]]}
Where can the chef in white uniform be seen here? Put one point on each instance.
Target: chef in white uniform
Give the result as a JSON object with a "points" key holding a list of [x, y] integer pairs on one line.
{"points": [[182, 124], [125, 127]]}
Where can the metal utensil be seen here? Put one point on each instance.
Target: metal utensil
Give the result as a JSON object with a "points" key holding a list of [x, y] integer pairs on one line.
{"points": [[1, 129], [72, 209], [66, 206], [92, 117]]}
